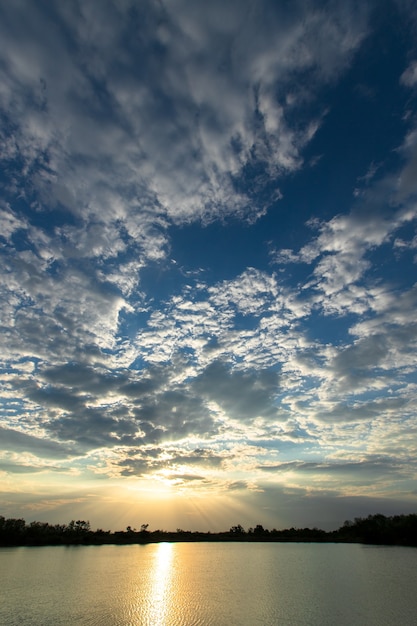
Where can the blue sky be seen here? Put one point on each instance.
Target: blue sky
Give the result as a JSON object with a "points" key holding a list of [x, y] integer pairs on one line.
{"points": [[208, 246]]}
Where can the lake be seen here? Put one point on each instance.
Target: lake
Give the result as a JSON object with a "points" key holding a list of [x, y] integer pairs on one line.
{"points": [[193, 584]]}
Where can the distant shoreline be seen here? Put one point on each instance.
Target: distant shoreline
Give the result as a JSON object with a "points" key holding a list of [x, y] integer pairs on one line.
{"points": [[398, 530]]}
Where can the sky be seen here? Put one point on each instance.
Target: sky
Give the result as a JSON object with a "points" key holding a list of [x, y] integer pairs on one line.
{"points": [[208, 262]]}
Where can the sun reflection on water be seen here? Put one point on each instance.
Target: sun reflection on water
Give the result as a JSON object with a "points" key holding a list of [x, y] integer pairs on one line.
{"points": [[161, 591]]}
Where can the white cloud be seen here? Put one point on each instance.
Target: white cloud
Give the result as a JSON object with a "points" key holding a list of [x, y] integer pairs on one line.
{"points": [[9, 223], [169, 135], [114, 150], [342, 251], [124, 120], [409, 76]]}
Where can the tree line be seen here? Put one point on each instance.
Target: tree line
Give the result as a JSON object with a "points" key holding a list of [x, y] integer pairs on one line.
{"points": [[375, 529]]}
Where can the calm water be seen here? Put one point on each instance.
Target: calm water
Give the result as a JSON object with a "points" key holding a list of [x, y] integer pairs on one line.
{"points": [[209, 583]]}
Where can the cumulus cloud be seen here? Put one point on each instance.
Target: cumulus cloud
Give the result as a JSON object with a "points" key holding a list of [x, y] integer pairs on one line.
{"points": [[161, 142], [342, 250], [108, 153], [125, 124]]}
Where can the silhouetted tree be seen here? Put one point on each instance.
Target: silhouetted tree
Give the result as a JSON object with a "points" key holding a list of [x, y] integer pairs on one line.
{"points": [[378, 529], [237, 530], [260, 530]]}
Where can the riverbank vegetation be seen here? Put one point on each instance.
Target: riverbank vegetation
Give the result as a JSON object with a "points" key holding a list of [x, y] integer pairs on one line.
{"points": [[374, 529]]}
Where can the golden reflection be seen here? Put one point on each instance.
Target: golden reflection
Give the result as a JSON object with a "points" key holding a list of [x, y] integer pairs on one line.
{"points": [[162, 586]]}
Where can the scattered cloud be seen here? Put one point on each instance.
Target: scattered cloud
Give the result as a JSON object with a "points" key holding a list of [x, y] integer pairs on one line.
{"points": [[134, 346]]}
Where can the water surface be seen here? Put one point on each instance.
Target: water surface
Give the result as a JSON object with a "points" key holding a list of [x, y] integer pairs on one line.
{"points": [[193, 584]]}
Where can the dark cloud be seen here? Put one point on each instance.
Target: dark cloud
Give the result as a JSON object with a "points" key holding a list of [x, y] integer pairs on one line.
{"points": [[362, 357], [243, 395], [40, 446], [179, 413], [90, 428], [141, 462], [56, 397], [81, 376], [20, 468], [365, 410], [199, 456], [187, 478], [356, 471]]}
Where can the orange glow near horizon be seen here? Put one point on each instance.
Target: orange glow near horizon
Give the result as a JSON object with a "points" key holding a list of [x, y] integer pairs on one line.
{"points": [[147, 501]]}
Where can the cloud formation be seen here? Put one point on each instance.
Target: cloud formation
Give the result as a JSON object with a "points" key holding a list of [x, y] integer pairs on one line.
{"points": [[282, 358]]}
